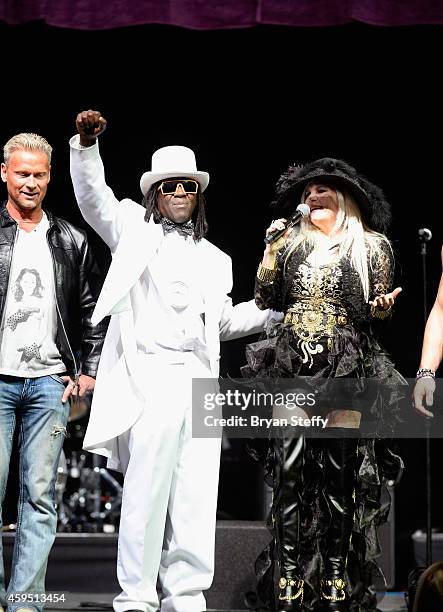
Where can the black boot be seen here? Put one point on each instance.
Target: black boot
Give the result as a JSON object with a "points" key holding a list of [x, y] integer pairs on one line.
{"points": [[287, 523], [340, 461]]}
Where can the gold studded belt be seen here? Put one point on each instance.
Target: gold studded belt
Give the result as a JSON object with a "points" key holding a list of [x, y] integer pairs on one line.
{"points": [[312, 324]]}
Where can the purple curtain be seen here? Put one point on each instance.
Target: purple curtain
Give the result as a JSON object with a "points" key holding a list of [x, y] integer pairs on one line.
{"points": [[216, 14]]}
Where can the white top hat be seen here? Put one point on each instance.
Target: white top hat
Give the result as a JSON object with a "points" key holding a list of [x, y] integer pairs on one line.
{"points": [[171, 162]]}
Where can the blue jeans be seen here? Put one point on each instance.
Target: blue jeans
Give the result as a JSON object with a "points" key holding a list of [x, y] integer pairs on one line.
{"points": [[33, 405]]}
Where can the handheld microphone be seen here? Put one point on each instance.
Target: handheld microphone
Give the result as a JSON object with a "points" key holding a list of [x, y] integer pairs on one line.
{"points": [[301, 211]]}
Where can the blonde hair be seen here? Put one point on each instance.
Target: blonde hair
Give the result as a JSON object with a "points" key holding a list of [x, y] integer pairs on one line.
{"points": [[357, 238], [29, 141]]}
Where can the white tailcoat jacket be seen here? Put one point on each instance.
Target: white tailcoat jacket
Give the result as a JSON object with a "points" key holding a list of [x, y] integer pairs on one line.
{"points": [[118, 397]]}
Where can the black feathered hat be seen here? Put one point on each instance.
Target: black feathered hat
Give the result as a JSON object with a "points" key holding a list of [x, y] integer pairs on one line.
{"points": [[374, 208]]}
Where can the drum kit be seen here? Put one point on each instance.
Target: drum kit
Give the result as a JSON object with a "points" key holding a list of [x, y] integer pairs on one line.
{"points": [[88, 496]]}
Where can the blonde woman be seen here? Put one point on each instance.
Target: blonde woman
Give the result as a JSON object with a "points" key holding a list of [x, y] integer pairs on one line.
{"points": [[332, 277]]}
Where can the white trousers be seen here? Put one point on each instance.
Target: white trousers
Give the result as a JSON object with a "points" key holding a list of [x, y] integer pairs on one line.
{"points": [[168, 515]]}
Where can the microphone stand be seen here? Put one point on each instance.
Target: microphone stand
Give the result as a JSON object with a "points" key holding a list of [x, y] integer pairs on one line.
{"points": [[425, 236]]}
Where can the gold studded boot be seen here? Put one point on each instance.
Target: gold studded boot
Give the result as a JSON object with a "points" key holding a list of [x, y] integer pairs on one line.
{"points": [[287, 524], [333, 595], [340, 460], [291, 593]]}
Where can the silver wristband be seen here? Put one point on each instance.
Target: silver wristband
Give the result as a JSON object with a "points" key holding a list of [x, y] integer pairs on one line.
{"points": [[425, 373]]}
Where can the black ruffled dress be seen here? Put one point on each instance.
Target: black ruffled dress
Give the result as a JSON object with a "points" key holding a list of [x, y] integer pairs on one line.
{"points": [[328, 332]]}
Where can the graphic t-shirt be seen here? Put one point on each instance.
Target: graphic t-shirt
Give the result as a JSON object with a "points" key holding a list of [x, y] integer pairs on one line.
{"points": [[28, 330]]}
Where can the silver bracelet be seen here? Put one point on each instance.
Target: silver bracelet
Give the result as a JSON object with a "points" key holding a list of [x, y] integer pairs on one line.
{"points": [[425, 373]]}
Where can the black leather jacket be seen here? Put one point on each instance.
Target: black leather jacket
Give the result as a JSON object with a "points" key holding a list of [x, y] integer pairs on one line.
{"points": [[77, 284]]}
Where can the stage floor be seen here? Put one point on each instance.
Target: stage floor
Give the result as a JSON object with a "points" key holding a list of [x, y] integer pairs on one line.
{"points": [[76, 602], [82, 568]]}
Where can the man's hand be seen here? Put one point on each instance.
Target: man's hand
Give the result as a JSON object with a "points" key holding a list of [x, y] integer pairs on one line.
{"points": [[424, 389], [90, 124], [85, 383]]}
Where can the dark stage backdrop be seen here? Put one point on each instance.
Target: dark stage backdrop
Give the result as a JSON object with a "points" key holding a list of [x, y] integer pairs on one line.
{"points": [[249, 102]]}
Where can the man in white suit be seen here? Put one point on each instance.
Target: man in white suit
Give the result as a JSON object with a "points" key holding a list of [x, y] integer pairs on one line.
{"points": [[167, 294]]}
